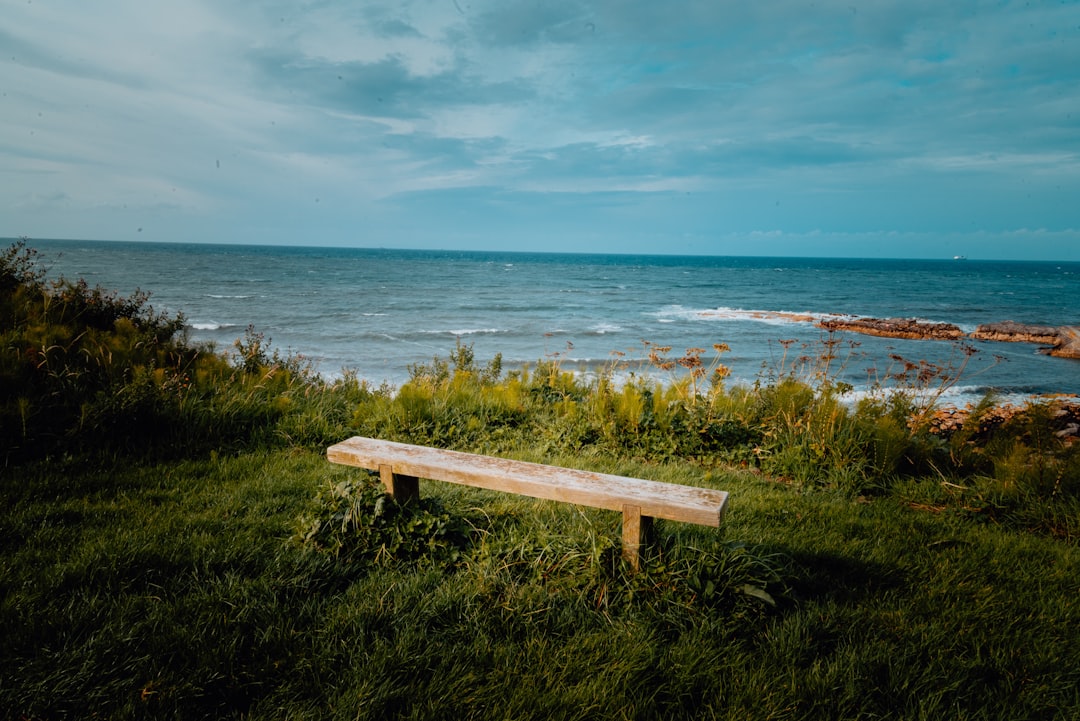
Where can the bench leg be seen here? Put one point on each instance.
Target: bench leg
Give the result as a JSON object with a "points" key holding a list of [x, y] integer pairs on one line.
{"points": [[401, 488], [636, 530]]}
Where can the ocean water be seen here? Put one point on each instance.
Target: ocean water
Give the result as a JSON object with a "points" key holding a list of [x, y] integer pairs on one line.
{"points": [[379, 311]]}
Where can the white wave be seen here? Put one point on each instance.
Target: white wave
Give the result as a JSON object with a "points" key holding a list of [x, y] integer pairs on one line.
{"points": [[210, 326], [775, 317], [669, 314], [605, 328], [227, 297], [957, 396], [466, 331]]}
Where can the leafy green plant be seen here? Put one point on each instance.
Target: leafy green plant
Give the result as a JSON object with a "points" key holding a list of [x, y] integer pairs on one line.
{"points": [[358, 523]]}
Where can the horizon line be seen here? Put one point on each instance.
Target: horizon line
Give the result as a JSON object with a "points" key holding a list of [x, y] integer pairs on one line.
{"points": [[959, 258]]}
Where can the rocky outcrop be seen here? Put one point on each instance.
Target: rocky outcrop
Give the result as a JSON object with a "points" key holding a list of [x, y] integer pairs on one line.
{"points": [[1063, 341], [1068, 345], [1061, 412], [1013, 332], [895, 328]]}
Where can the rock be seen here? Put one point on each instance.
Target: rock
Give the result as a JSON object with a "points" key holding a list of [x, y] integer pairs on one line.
{"points": [[894, 328], [1063, 341], [1013, 332], [1063, 412], [1068, 345], [1060, 341]]}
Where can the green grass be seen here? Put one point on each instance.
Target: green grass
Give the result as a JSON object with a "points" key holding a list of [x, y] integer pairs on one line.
{"points": [[174, 591]]}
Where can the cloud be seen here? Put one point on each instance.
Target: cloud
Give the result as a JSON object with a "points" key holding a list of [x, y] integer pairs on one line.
{"points": [[525, 23], [385, 88], [610, 115]]}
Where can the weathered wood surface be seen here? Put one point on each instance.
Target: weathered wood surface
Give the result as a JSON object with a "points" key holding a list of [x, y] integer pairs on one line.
{"points": [[653, 499], [636, 534]]}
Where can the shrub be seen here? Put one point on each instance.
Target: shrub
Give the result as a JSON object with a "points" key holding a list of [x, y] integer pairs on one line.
{"points": [[358, 523], [83, 369], [71, 355]]}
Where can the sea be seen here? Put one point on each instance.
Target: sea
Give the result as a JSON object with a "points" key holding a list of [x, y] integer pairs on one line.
{"points": [[380, 312]]}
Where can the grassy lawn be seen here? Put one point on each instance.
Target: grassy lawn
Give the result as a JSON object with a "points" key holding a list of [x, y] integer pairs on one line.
{"points": [[174, 591]]}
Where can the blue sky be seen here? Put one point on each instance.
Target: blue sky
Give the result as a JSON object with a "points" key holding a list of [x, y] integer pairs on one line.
{"points": [[896, 128]]}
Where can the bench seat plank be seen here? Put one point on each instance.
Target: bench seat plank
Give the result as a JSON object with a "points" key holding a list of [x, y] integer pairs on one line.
{"points": [[655, 499]]}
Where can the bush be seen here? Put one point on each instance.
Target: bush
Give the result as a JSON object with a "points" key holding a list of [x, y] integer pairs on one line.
{"points": [[75, 360], [83, 369], [358, 523]]}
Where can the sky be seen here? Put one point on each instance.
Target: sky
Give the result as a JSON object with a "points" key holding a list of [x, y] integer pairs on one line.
{"points": [[898, 128]]}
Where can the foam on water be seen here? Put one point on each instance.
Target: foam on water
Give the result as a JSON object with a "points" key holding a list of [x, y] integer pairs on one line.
{"points": [[462, 332], [210, 325], [605, 328]]}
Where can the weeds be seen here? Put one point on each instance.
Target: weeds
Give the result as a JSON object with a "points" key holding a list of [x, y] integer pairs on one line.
{"points": [[359, 523]]}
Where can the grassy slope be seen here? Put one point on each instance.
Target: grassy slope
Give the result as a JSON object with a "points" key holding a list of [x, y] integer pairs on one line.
{"points": [[170, 591]]}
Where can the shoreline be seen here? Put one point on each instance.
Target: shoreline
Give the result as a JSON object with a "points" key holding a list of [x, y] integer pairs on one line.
{"points": [[1061, 341]]}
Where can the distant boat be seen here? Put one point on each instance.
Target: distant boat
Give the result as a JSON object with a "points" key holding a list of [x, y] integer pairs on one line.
{"points": [[959, 257]]}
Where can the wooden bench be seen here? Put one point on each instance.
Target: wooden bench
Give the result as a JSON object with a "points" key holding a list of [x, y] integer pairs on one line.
{"points": [[401, 465]]}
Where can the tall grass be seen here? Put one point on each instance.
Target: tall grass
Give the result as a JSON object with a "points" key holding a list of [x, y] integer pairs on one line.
{"points": [[83, 369], [797, 425]]}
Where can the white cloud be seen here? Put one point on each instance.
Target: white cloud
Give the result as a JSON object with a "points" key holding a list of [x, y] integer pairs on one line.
{"points": [[238, 112]]}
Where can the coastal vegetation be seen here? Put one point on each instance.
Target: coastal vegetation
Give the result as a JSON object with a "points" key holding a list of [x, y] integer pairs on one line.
{"points": [[175, 545]]}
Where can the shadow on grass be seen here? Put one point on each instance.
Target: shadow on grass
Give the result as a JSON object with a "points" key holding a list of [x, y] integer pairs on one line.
{"points": [[834, 577]]}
